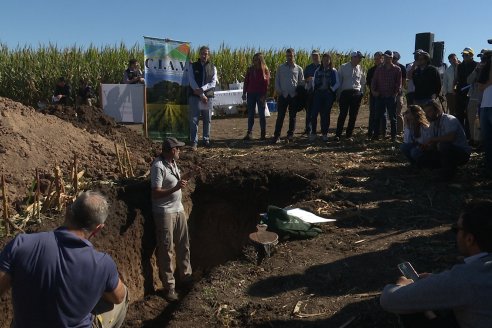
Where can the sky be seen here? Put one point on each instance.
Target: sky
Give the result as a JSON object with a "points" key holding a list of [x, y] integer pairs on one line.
{"points": [[367, 26]]}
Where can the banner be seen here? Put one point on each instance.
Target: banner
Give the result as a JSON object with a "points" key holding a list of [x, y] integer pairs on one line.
{"points": [[166, 64]]}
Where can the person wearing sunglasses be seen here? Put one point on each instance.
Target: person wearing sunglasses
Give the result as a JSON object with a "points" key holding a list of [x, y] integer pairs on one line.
{"points": [[459, 297]]}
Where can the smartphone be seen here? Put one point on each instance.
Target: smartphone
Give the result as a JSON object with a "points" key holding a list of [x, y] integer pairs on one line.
{"points": [[408, 271]]}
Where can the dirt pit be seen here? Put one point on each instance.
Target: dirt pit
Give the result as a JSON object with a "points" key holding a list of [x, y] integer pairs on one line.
{"points": [[386, 212]]}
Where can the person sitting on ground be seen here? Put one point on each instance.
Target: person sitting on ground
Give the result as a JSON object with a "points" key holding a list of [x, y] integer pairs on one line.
{"points": [[254, 92], [85, 95], [415, 133], [133, 74], [58, 278], [61, 95], [447, 147], [463, 292]]}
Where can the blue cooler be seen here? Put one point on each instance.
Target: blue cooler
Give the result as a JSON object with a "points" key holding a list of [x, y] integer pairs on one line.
{"points": [[272, 106]]}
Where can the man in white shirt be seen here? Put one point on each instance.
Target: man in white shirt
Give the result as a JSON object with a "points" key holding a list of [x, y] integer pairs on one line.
{"points": [[485, 84], [352, 83], [464, 291], [449, 82]]}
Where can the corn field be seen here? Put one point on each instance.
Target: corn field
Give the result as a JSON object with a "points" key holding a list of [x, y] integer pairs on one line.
{"points": [[29, 75]]}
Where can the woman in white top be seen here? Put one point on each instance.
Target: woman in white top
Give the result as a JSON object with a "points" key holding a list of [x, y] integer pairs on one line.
{"points": [[415, 133]]}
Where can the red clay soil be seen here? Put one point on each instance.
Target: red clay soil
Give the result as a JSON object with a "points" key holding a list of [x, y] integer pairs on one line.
{"points": [[386, 212]]}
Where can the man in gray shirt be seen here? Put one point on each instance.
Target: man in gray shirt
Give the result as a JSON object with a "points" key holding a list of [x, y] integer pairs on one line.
{"points": [[465, 289], [289, 75], [169, 217]]}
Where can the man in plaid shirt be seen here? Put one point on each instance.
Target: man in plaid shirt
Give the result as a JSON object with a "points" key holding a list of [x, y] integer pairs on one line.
{"points": [[386, 86]]}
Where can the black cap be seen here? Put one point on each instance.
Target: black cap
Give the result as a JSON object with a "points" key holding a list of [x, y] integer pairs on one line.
{"points": [[170, 143], [388, 53]]}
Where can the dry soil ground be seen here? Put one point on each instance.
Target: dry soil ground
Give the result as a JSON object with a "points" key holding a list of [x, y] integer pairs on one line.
{"points": [[386, 212]]}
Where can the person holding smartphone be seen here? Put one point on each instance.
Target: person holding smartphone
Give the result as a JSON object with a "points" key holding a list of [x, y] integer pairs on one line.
{"points": [[459, 297]]}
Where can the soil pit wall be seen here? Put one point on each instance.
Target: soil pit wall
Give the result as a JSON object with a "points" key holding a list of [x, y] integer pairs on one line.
{"points": [[223, 210]]}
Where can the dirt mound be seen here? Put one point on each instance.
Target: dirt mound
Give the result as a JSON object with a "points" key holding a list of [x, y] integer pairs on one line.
{"points": [[31, 140]]}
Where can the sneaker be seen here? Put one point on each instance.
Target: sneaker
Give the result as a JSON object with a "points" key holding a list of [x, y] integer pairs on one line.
{"points": [[290, 138], [194, 147], [206, 143], [350, 139], [337, 138], [247, 136], [325, 137], [275, 140], [312, 137], [171, 296]]}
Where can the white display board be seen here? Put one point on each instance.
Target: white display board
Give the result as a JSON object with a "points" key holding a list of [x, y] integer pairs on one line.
{"points": [[229, 97], [124, 102]]}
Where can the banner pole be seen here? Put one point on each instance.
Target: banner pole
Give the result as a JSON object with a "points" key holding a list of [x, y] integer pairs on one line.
{"points": [[145, 126]]}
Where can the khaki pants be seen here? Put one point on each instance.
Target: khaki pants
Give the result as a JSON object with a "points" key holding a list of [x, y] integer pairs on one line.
{"points": [[471, 115], [451, 102], [399, 115], [172, 229], [107, 315]]}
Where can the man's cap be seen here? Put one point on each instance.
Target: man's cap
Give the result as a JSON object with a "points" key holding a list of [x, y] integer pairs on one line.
{"points": [[396, 55], [315, 52], [378, 53], [171, 142], [484, 52], [388, 53], [357, 54], [418, 52], [467, 51]]}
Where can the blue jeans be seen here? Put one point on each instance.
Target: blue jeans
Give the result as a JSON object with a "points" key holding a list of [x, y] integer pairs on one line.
{"points": [[384, 104], [195, 113], [445, 155], [255, 99], [283, 104], [373, 125], [486, 131], [411, 151], [322, 104]]}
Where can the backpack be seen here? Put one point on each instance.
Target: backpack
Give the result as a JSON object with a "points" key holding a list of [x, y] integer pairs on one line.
{"points": [[286, 225]]}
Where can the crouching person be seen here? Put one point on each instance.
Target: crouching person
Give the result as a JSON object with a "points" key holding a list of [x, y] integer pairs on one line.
{"points": [[58, 279], [447, 147], [459, 297], [415, 133]]}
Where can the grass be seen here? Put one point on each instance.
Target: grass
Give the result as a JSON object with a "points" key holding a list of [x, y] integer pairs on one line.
{"points": [[28, 74]]}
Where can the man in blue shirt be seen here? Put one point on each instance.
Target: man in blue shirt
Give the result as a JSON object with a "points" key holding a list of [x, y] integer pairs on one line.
{"points": [[57, 277]]}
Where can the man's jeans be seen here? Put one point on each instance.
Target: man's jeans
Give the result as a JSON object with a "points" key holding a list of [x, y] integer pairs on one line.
{"points": [[195, 113], [383, 104], [283, 104], [255, 99], [486, 134], [349, 104]]}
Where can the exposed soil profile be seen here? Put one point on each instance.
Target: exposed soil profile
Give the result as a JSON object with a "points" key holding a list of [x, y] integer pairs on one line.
{"points": [[386, 212]]}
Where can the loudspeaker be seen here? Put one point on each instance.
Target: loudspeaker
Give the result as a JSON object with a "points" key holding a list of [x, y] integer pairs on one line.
{"points": [[438, 56], [424, 41]]}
